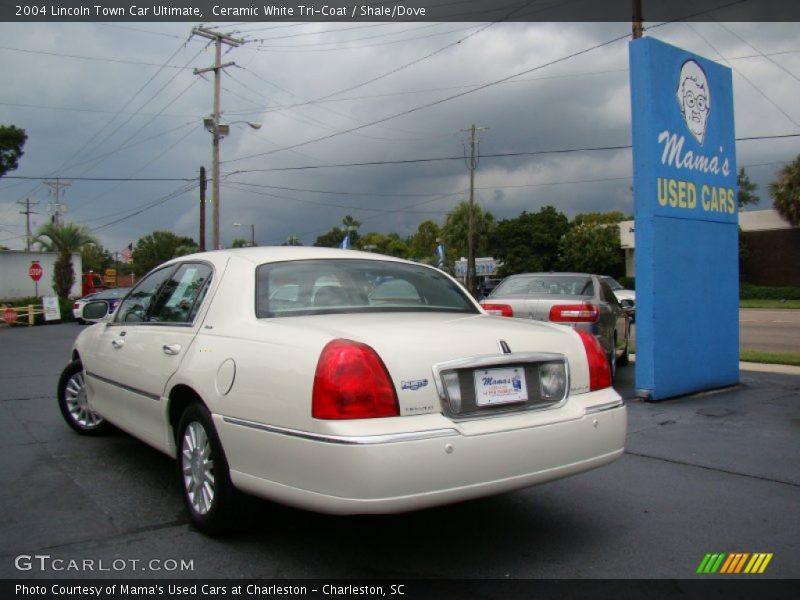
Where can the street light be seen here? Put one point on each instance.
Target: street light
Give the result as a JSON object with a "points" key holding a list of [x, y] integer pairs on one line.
{"points": [[252, 233], [218, 131]]}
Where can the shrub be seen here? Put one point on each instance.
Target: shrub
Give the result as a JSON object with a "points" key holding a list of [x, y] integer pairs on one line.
{"points": [[21, 304], [748, 291]]}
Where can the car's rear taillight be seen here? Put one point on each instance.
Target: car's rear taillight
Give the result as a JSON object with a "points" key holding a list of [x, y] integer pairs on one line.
{"points": [[574, 313], [599, 369], [499, 310], [352, 382]]}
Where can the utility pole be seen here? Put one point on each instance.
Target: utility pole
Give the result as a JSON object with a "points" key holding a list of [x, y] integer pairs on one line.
{"points": [[213, 125], [27, 212], [472, 283], [56, 207], [203, 185], [638, 28]]}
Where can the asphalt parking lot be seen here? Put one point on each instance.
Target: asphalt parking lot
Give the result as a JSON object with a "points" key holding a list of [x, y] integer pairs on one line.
{"points": [[716, 472]]}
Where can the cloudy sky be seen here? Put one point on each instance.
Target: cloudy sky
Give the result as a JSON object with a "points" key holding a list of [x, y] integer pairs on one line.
{"points": [[120, 100]]}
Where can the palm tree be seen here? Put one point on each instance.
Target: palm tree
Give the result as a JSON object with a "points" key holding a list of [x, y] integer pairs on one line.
{"points": [[785, 192], [64, 238]]}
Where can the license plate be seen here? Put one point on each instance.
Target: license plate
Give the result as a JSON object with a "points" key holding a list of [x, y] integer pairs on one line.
{"points": [[500, 386]]}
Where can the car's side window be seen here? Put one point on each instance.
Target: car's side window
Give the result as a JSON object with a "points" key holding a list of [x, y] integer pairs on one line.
{"points": [[608, 295], [135, 307], [181, 295]]}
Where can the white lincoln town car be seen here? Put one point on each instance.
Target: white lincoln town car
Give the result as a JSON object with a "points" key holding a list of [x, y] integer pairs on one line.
{"points": [[337, 381]]}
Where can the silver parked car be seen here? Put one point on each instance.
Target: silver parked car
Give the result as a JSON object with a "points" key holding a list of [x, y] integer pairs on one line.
{"points": [[626, 297], [580, 300]]}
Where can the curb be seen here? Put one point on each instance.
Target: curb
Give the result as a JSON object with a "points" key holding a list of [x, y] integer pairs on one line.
{"points": [[759, 367]]}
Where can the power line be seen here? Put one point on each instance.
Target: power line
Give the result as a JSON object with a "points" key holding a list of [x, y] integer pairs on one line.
{"points": [[176, 194], [141, 168], [140, 30], [493, 155], [349, 193], [760, 54], [348, 44], [42, 178], [86, 144], [761, 92], [98, 159], [122, 61], [80, 150], [241, 186], [436, 102], [318, 122], [481, 87], [125, 146], [279, 107], [92, 110], [384, 162], [422, 58]]}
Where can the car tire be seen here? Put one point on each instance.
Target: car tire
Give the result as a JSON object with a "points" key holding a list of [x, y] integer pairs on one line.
{"points": [[73, 403], [612, 365], [624, 359], [208, 494]]}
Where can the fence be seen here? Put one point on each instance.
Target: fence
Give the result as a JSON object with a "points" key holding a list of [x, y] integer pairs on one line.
{"points": [[21, 315]]}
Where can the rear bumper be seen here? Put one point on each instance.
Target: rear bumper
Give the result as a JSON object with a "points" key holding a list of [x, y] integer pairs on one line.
{"points": [[386, 474]]}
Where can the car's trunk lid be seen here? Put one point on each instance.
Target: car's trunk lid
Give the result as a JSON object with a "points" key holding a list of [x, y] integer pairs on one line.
{"points": [[412, 344]]}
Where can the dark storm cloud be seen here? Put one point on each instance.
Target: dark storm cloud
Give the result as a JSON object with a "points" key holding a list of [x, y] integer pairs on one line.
{"points": [[582, 102]]}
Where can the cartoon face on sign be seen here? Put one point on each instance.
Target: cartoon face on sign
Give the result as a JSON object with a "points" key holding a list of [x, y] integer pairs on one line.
{"points": [[694, 98]]}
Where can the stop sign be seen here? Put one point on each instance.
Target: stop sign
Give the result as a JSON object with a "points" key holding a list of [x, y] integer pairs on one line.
{"points": [[35, 271], [9, 315]]}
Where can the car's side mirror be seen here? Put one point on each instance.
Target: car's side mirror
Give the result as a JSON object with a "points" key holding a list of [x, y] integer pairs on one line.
{"points": [[626, 304], [95, 312]]}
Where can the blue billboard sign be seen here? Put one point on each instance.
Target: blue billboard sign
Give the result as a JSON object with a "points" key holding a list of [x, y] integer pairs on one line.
{"points": [[686, 211]]}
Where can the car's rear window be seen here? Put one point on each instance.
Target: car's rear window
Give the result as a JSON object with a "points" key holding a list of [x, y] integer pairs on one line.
{"points": [[542, 285], [353, 286]]}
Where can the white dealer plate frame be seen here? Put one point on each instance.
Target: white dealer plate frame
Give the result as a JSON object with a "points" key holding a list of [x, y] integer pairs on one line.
{"points": [[500, 386]]}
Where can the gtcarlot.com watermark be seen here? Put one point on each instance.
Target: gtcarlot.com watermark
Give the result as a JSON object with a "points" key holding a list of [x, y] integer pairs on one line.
{"points": [[45, 563]]}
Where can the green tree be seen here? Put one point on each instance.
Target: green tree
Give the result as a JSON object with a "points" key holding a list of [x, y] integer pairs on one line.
{"points": [[390, 244], [240, 243], [747, 189], [456, 228], [422, 244], [598, 218], [529, 242], [330, 239], [592, 248], [158, 247], [785, 192], [96, 258], [12, 140], [292, 240], [334, 237], [63, 238]]}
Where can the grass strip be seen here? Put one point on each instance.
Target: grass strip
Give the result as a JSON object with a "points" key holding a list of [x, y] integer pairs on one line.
{"points": [[771, 358], [766, 303]]}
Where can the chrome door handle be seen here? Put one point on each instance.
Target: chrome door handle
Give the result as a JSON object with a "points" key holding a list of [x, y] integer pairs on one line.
{"points": [[117, 343], [171, 349]]}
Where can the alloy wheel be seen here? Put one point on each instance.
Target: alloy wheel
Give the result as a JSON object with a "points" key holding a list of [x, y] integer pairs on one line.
{"points": [[197, 466], [77, 404]]}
